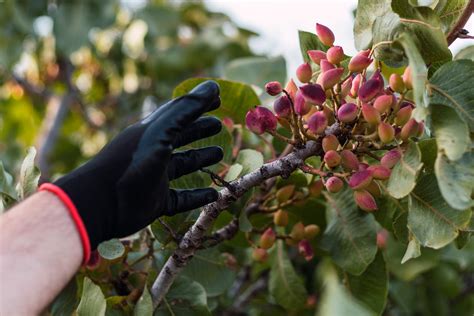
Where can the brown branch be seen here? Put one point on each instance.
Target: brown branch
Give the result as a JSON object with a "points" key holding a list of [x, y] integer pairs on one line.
{"points": [[458, 27], [192, 240]]}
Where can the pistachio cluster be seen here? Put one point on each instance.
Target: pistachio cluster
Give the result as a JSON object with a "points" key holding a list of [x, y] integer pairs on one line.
{"points": [[375, 115]]}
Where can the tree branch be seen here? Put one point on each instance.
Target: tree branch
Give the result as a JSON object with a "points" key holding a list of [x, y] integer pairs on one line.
{"points": [[192, 240], [458, 27]]}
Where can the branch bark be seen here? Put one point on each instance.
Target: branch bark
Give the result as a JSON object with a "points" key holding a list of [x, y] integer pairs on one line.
{"points": [[456, 31], [193, 239]]}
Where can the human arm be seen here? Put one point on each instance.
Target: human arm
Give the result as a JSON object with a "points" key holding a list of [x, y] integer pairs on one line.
{"points": [[125, 187], [40, 250]]}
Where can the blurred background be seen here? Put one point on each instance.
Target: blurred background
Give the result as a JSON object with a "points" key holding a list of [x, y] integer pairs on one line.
{"points": [[74, 73]]}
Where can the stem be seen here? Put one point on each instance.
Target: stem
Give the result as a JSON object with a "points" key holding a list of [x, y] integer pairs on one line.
{"points": [[458, 27], [192, 240]]}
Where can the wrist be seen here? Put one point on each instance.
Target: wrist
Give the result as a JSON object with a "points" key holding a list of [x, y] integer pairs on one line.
{"points": [[74, 214]]}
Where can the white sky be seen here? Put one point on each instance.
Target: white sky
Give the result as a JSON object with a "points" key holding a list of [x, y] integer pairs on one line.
{"points": [[278, 21]]}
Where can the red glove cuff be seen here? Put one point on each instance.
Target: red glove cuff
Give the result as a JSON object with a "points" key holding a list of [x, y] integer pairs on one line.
{"points": [[81, 229]]}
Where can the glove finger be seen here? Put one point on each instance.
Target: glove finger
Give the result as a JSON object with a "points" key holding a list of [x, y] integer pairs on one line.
{"points": [[207, 92], [192, 160], [186, 200], [177, 115], [202, 128]]}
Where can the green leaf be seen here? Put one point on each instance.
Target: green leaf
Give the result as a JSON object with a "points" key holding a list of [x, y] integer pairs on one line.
{"points": [[451, 85], [209, 270], [78, 18], [256, 70], [350, 236], [433, 222], [418, 68], [92, 300], [368, 12], [111, 249], [236, 98], [250, 160], [425, 25], [465, 53], [185, 297], [285, 285], [413, 250], [66, 301], [429, 152], [309, 41], [456, 180], [244, 223], [451, 132], [403, 178], [449, 12], [144, 306], [8, 193], [378, 21], [336, 301], [371, 287], [29, 175], [234, 171], [411, 269]]}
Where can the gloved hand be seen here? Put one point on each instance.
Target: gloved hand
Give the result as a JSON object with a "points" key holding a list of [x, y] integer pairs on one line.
{"points": [[125, 187]]}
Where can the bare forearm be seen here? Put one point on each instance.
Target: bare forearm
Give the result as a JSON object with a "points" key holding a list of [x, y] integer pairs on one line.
{"points": [[40, 250]]}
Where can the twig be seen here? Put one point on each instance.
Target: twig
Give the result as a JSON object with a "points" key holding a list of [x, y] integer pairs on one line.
{"points": [[193, 238], [458, 27]]}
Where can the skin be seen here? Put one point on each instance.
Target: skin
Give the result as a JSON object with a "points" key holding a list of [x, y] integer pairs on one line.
{"points": [[32, 272]]}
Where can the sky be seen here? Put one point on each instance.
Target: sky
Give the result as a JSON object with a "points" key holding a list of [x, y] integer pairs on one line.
{"points": [[278, 22]]}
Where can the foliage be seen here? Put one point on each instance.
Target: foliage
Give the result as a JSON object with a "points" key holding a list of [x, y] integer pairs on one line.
{"points": [[395, 245]]}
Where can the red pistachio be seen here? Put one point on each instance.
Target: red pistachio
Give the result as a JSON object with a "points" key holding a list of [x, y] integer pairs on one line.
{"points": [[311, 231], [305, 249], [365, 200], [318, 122], [316, 55], [386, 132], [356, 85], [313, 93], [407, 78], [360, 179], [330, 142], [260, 119], [363, 166], [369, 90], [315, 188], [332, 158], [410, 129], [359, 62], [396, 83], [330, 77], [326, 65], [384, 103], [228, 123], [282, 106], [390, 158], [301, 106], [304, 73], [349, 160], [335, 55], [347, 113], [403, 115], [334, 184], [370, 114], [273, 88], [291, 88], [267, 239], [380, 172], [346, 87], [325, 35]]}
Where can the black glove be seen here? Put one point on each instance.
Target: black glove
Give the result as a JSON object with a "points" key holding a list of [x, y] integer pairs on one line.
{"points": [[125, 187]]}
